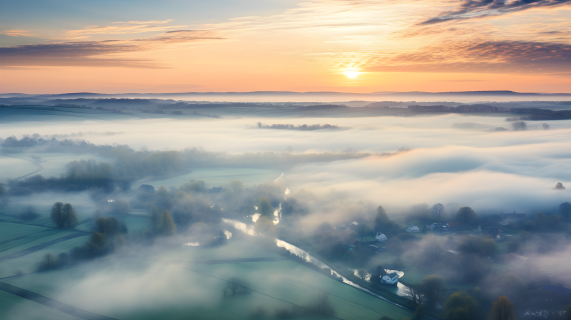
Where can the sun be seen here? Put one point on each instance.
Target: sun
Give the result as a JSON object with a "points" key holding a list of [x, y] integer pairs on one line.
{"points": [[352, 74]]}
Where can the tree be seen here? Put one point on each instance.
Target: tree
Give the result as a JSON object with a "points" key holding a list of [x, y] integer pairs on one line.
{"points": [[234, 285], [48, 262], [166, 225], [414, 291], [57, 214], [559, 186], [265, 207], [519, 126], [567, 314], [466, 215], [502, 309], [69, 215], [437, 210], [461, 306], [431, 287], [565, 209], [382, 221], [109, 226], [545, 126]]}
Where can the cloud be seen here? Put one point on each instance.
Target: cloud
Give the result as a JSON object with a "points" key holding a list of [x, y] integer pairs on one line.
{"points": [[95, 53], [483, 57], [471, 9], [121, 28], [16, 33]]}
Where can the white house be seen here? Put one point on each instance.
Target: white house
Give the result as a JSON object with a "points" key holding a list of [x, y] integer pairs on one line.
{"points": [[411, 228], [380, 237], [391, 278]]}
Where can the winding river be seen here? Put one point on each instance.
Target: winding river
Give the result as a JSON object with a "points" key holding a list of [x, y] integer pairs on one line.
{"points": [[399, 289]]}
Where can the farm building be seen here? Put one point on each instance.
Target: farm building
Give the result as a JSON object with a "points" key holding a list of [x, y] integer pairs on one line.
{"points": [[381, 237], [391, 278], [412, 228]]}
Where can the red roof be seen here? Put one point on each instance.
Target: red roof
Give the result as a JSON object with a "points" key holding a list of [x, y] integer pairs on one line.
{"points": [[454, 224]]}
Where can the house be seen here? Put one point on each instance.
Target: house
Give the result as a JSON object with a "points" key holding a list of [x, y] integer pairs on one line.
{"points": [[391, 278], [380, 237], [412, 228], [437, 227]]}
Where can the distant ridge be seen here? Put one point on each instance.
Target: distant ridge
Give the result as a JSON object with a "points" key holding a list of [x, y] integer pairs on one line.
{"points": [[488, 93]]}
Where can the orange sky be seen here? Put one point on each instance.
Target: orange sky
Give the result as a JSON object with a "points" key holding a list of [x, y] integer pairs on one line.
{"points": [[306, 46]]}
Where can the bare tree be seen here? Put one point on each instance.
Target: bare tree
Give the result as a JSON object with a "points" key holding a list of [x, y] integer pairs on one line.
{"points": [[69, 215], [437, 210], [57, 214], [503, 309], [415, 294], [234, 285], [545, 126]]}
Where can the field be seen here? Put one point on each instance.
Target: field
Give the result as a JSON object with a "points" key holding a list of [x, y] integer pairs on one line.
{"points": [[215, 177], [187, 281]]}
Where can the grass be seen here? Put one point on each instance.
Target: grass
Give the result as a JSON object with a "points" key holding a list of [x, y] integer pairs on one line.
{"points": [[29, 262], [215, 177], [9, 248], [13, 230], [177, 284], [13, 307]]}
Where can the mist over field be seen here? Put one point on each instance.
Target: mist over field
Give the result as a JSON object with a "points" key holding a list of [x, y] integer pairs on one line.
{"points": [[274, 212]]}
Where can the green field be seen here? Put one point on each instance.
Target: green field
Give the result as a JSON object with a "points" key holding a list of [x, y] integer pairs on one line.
{"points": [[179, 273], [13, 307], [13, 230], [174, 282], [219, 177]]}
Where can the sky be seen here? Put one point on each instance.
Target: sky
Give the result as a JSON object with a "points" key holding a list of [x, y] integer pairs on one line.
{"points": [[57, 46]]}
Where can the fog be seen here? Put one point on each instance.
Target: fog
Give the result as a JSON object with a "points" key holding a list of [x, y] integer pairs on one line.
{"points": [[507, 171], [319, 189]]}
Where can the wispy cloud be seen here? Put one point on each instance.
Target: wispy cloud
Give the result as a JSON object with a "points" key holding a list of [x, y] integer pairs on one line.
{"points": [[129, 27], [95, 53], [16, 33], [471, 9], [483, 57]]}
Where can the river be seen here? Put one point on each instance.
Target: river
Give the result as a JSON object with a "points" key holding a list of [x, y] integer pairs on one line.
{"points": [[399, 289]]}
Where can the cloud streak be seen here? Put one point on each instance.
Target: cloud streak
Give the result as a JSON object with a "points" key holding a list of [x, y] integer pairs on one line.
{"points": [[129, 27], [471, 9], [484, 57], [97, 53]]}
